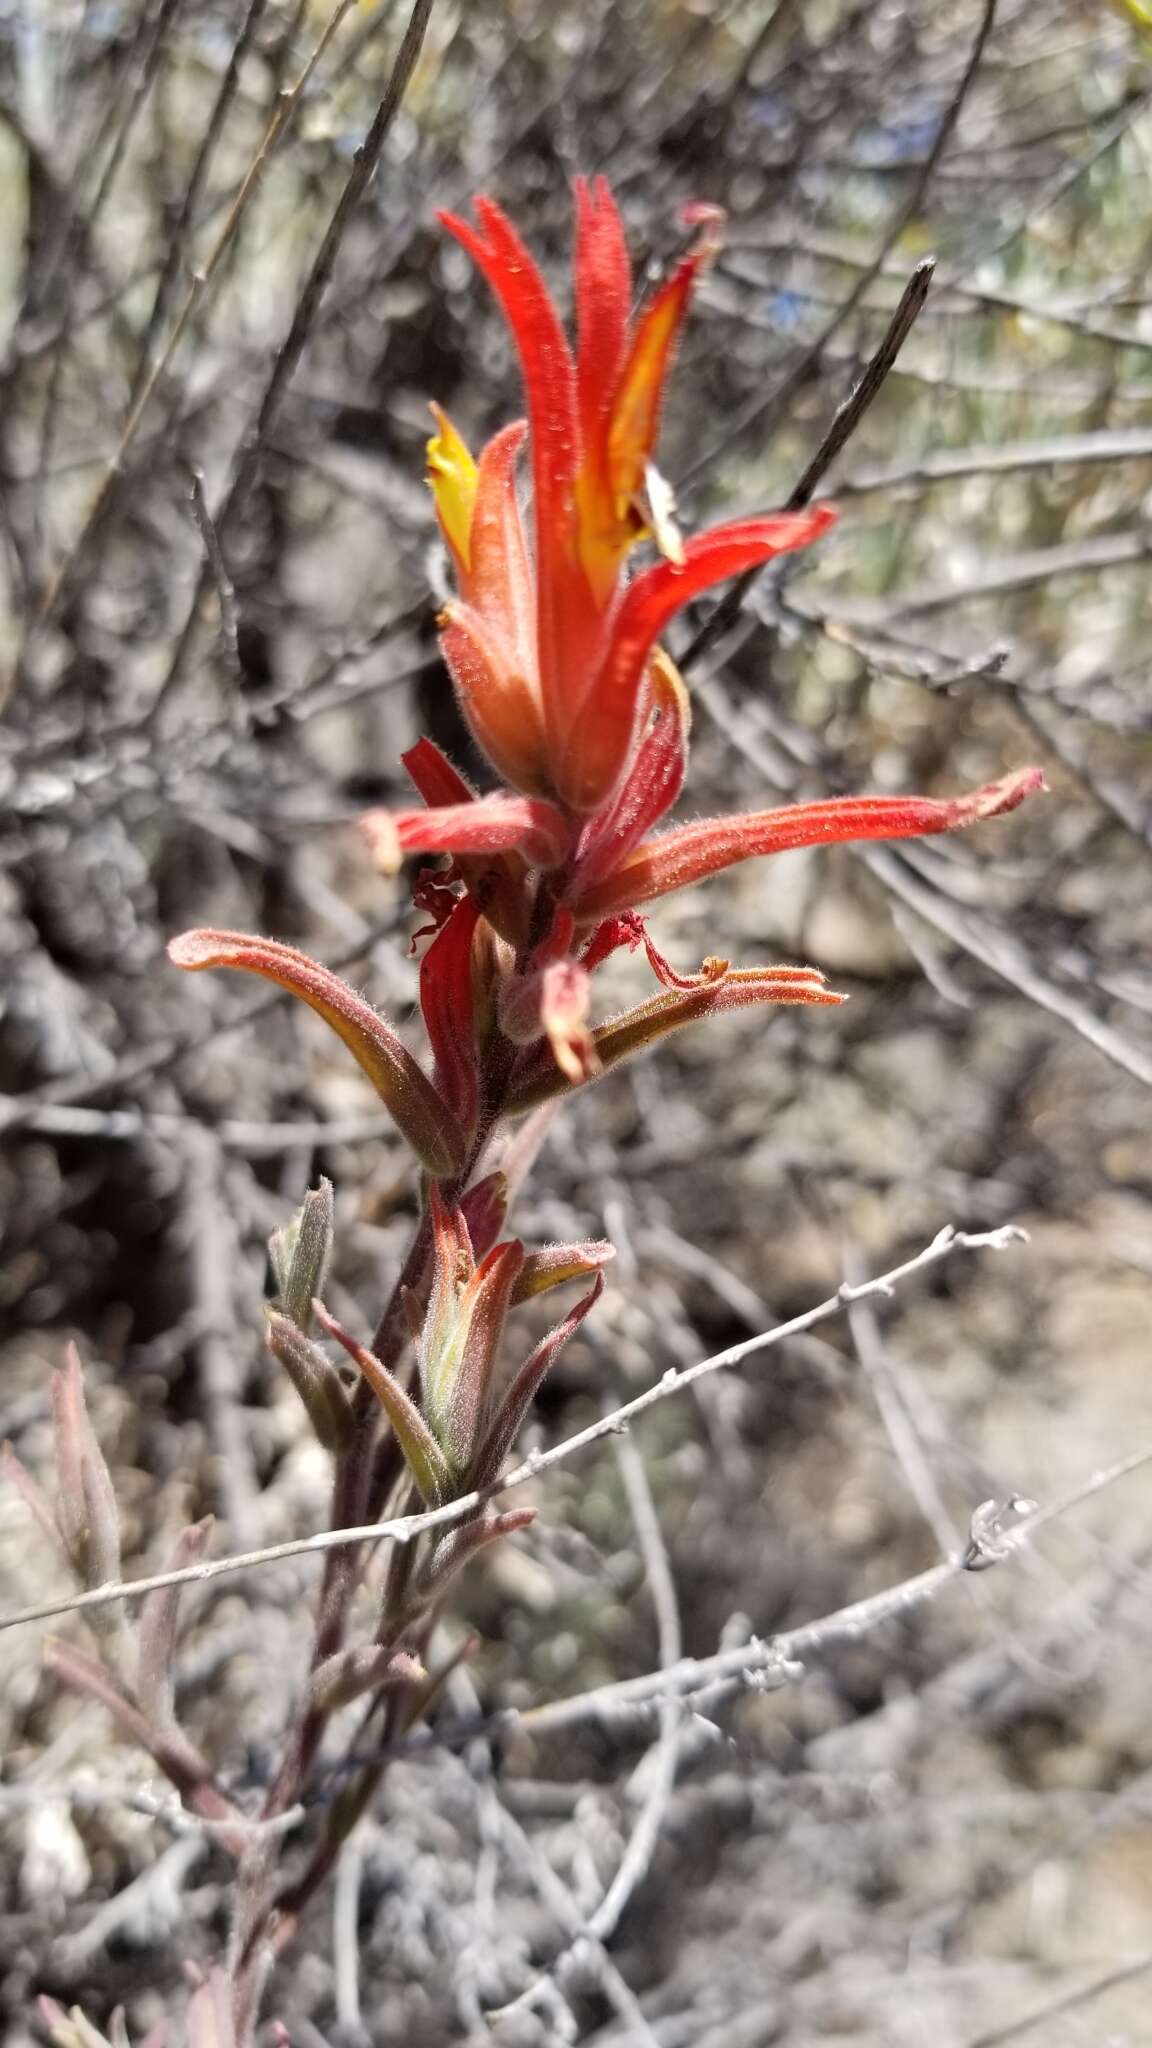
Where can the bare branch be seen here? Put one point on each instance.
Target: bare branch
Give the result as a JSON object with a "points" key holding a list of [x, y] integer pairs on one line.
{"points": [[1070, 2001], [1000, 1532], [405, 1528]]}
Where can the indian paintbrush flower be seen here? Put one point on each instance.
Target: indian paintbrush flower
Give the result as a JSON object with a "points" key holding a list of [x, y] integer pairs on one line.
{"points": [[553, 645], [552, 640], [555, 658]]}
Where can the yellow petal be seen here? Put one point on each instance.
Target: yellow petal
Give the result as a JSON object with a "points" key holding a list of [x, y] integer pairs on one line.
{"points": [[452, 475]]}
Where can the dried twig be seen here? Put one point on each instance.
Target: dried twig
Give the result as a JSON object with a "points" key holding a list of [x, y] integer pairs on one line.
{"points": [[764, 412], [405, 1528], [659, 1766], [864, 1331], [1069, 2001], [202, 280], [364, 168], [844, 424], [1000, 1532]]}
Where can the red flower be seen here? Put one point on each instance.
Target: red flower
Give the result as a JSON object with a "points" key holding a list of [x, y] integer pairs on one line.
{"points": [[555, 657], [549, 651], [557, 667]]}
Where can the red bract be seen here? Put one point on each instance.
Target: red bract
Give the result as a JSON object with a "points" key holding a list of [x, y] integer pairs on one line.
{"points": [[690, 852], [555, 657], [420, 1112], [554, 650], [550, 649]]}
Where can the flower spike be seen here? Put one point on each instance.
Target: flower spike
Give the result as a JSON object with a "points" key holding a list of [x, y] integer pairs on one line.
{"points": [[554, 689]]}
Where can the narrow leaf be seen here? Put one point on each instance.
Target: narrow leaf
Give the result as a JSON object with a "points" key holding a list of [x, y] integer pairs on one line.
{"points": [[602, 728], [447, 1000], [434, 777], [690, 852], [637, 402], [550, 381], [483, 1310], [546, 359], [350, 1673], [528, 825], [497, 696], [461, 1545], [88, 1511], [301, 1253], [603, 301], [437, 1332], [315, 1379], [421, 1115], [505, 1425], [159, 1617], [484, 1208], [422, 1454], [740, 988], [654, 780], [169, 1748]]}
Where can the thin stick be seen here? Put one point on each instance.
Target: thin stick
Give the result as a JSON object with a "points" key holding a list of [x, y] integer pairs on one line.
{"points": [[844, 424], [363, 171], [185, 220], [405, 1528], [525, 1853], [1068, 2003], [217, 568], [169, 1051], [197, 291], [898, 1424], [951, 465], [778, 1658], [849, 415], [209, 1243], [764, 412], [641, 1845], [1005, 956]]}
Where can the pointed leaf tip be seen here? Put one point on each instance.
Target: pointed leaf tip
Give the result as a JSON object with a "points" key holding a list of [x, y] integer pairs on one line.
{"points": [[995, 799], [554, 1264], [301, 1251], [689, 853]]}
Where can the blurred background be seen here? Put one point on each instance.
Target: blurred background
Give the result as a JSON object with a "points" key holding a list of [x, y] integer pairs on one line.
{"points": [[218, 575]]}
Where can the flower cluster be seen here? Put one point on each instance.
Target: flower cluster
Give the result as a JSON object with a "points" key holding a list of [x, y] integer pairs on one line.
{"points": [[553, 646]]}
